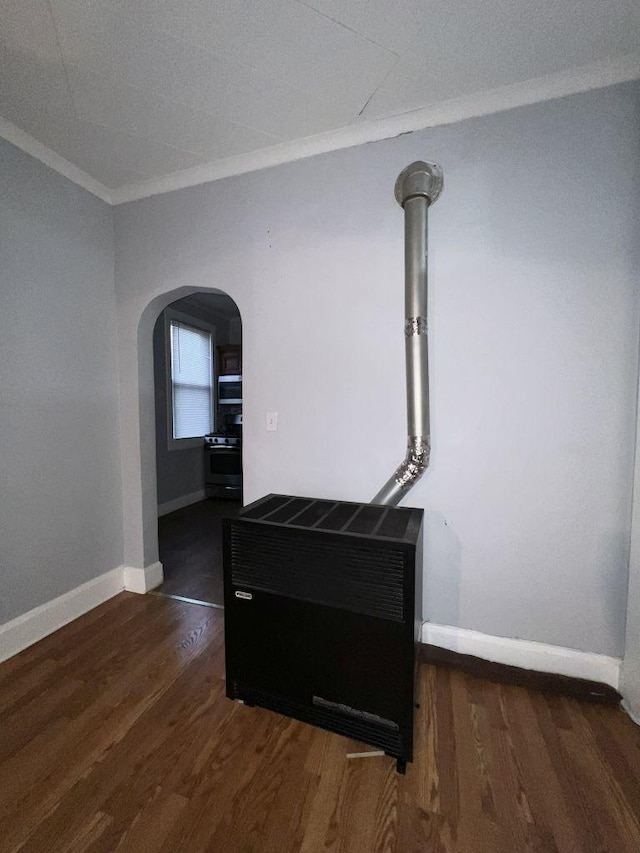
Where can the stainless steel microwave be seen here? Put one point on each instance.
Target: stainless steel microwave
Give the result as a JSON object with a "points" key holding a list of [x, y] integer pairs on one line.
{"points": [[230, 390]]}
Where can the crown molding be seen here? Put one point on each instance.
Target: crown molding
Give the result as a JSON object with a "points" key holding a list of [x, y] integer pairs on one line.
{"points": [[597, 75], [29, 145]]}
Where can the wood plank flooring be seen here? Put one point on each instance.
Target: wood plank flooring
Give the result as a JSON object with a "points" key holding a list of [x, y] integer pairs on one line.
{"points": [[190, 544], [115, 735]]}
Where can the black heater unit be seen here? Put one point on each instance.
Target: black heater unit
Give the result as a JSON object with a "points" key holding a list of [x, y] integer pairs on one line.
{"points": [[323, 614]]}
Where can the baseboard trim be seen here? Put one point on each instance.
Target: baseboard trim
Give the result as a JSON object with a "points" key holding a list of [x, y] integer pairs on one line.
{"points": [[142, 580], [525, 654], [181, 502], [24, 630], [502, 673]]}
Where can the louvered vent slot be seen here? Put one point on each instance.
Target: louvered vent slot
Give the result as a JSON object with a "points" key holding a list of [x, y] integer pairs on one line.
{"points": [[368, 732], [338, 517], [310, 516], [345, 574], [265, 507], [289, 510], [366, 519], [394, 524]]}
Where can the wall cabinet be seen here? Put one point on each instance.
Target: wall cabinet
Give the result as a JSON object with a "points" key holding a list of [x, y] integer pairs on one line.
{"points": [[230, 360]]}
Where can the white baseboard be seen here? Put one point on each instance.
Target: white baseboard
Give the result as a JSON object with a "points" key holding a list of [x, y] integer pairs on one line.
{"points": [[182, 501], [142, 580], [38, 623], [525, 653], [23, 631]]}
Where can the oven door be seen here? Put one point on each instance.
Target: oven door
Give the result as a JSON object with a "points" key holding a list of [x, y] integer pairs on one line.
{"points": [[223, 471]]}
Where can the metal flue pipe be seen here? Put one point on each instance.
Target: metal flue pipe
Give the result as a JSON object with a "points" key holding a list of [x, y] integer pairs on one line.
{"points": [[417, 187]]}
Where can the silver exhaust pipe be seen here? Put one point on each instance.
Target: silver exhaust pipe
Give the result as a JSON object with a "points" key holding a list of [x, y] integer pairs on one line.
{"points": [[417, 187]]}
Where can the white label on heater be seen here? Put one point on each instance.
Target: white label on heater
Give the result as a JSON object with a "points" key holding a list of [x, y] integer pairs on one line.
{"points": [[247, 595]]}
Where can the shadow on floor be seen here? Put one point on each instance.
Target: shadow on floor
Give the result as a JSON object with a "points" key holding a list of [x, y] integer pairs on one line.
{"points": [[190, 543]]}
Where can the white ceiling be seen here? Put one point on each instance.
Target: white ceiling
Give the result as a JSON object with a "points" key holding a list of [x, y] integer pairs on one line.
{"points": [[132, 91]]}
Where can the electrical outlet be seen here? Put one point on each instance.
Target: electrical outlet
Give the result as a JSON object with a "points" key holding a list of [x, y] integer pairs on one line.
{"points": [[272, 421]]}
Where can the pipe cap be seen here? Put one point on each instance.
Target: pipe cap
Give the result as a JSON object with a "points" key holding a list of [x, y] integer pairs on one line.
{"points": [[419, 179]]}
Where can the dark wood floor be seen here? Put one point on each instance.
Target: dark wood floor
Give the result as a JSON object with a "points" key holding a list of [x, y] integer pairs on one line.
{"points": [[190, 543], [115, 735]]}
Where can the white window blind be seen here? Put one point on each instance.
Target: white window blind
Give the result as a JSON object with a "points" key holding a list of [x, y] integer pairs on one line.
{"points": [[191, 381]]}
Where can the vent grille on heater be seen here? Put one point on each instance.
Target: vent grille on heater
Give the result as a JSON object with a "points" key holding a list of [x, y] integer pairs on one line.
{"points": [[384, 735], [349, 574], [383, 522]]}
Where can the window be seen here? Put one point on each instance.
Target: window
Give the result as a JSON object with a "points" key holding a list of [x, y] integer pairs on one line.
{"points": [[190, 380]]}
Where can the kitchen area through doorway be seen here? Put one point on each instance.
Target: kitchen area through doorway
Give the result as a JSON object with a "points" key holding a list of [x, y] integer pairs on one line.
{"points": [[197, 346]]}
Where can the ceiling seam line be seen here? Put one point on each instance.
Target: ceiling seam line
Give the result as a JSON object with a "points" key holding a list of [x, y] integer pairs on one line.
{"points": [[62, 59], [378, 87], [347, 28], [268, 75]]}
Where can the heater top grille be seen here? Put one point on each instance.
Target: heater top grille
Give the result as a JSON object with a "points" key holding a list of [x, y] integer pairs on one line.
{"points": [[373, 521]]}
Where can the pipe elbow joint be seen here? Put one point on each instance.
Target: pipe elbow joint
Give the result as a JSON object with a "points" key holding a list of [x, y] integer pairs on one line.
{"points": [[407, 473], [415, 462]]}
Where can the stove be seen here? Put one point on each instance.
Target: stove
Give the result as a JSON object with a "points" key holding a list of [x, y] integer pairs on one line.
{"points": [[223, 466]]}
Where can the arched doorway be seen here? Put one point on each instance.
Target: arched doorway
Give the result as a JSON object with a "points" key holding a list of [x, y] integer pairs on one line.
{"points": [[138, 428], [197, 343]]}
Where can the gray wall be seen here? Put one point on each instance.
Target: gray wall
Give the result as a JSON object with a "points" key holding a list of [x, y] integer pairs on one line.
{"points": [[630, 676], [180, 471], [61, 505], [534, 331]]}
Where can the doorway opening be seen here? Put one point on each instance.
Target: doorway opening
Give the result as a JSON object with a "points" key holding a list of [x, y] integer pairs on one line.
{"points": [[197, 355]]}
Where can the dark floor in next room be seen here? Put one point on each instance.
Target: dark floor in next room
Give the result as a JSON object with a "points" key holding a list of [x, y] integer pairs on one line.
{"points": [[190, 544]]}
